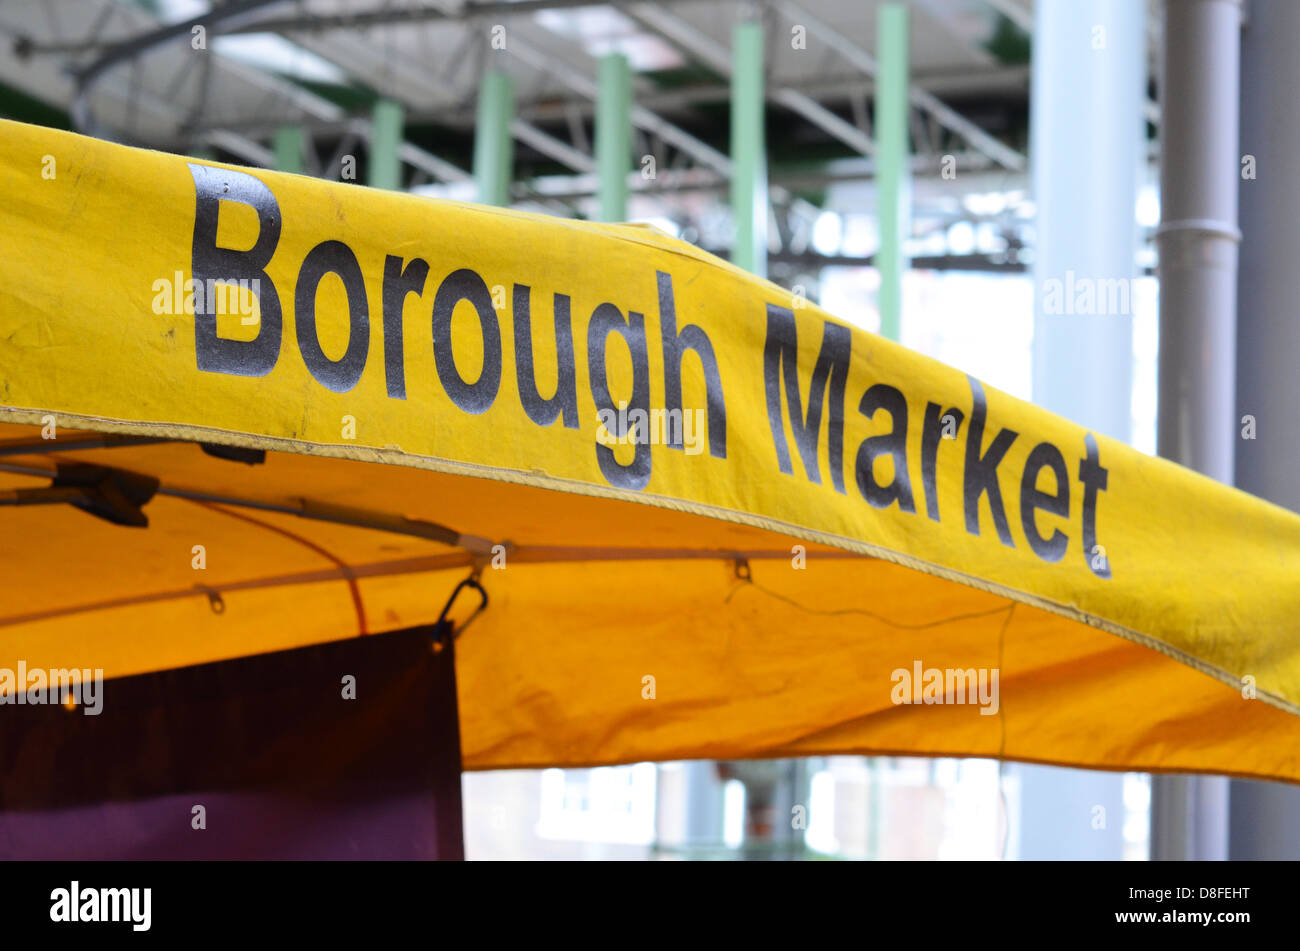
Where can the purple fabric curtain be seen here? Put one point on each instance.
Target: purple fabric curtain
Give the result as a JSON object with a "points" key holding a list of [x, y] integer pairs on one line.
{"points": [[283, 763]]}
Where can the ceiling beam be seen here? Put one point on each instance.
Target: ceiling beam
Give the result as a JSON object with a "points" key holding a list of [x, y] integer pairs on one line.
{"points": [[642, 117], [717, 57], [340, 54], [651, 122], [948, 117], [568, 110], [387, 16], [552, 147]]}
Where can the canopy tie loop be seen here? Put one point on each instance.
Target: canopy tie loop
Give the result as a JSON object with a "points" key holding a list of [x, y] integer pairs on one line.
{"points": [[215, 600], [472, 583]]}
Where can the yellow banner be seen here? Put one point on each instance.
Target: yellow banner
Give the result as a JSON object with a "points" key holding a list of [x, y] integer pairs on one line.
{"points": [[152, 294]]}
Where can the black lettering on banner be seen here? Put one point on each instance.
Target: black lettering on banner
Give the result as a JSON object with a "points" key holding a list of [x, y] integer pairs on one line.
{"points": [[691, 337], [893, 443], [605, 320], [399, 281], [1045, 456], [981, 475], [1094, 478], [541, 410], [780, 352], [932, 431], [332, 257], [466, 285], [209, 262]]}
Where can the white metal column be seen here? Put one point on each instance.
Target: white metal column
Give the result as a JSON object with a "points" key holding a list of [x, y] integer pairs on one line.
{"points": [[1087, 135]]}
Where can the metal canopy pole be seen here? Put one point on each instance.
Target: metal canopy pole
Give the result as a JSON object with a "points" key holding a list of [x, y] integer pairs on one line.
{"points": [[493, 142], [385, 167], [1197, 241], [613, 136], [1198, 236], [892, 169], [748, 149], [1265, 817]]}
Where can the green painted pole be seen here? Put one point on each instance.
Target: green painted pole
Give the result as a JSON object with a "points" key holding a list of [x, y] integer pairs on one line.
{"points": [[748, 149], [288, 149], [384, 169], [494, 146], [613, 136], [892, 186]]}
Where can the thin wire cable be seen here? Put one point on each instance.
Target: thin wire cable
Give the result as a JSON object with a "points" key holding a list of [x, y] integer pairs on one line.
{"points": [[354, 590], [860, 611]]}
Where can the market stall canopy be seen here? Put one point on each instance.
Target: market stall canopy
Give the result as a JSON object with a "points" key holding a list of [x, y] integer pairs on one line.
{"points": [[712, 520]]}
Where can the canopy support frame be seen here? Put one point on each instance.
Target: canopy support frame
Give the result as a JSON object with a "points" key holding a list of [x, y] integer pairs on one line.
{"points": [[314, 509]]}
